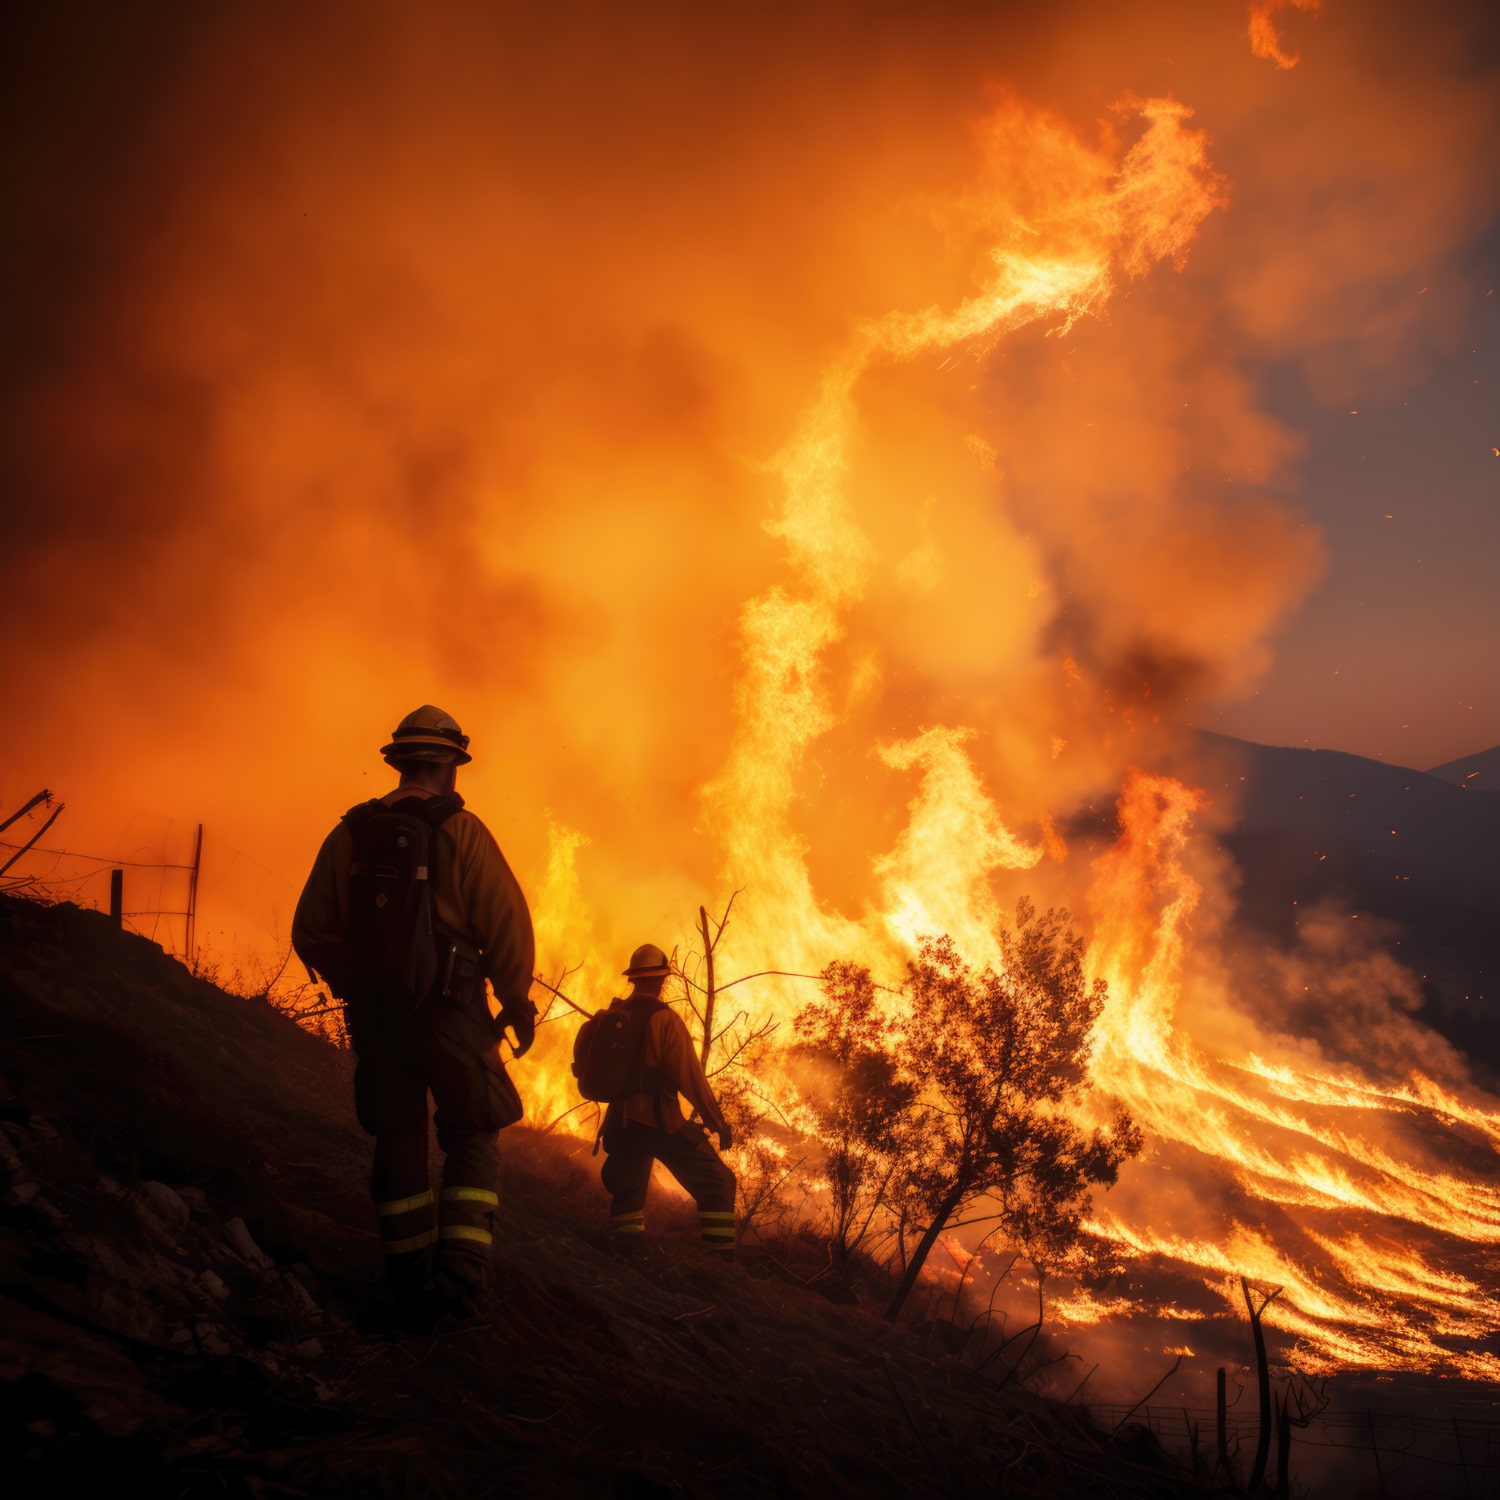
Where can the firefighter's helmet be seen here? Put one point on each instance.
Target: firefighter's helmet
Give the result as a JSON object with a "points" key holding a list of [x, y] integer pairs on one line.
{"points": [[647, 962], [427, 733]]}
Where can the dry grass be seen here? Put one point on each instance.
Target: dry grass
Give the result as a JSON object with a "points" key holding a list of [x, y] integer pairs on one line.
{"points": [[146, 1345]]}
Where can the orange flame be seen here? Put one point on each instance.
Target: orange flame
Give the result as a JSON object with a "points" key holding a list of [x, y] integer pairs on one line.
{"points": [[1255, 1125], [990, 553], [1271, 1134], [1265, 40], [1103, 221]]}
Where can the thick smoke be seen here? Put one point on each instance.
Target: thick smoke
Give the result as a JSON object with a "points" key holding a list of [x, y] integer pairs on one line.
{"points": [[377, 355], [374, 357], [380, 357]]}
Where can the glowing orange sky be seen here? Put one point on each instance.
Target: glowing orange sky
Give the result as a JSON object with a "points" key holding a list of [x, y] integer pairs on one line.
{"points": [[389, 357], [815, 450]]}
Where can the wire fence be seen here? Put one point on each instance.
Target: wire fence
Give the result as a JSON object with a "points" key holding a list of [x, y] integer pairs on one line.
{"points": [[21, 854], [1404, 1456]]}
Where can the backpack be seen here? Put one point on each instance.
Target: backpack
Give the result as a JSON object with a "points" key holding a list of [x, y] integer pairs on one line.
{"points": [[391, 942], [607, 1054]]}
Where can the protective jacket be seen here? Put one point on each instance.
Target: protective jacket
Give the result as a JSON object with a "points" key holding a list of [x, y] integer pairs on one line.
{"points": [[476, 900], [669, 1051], [649, 1127], [446, 1044]]}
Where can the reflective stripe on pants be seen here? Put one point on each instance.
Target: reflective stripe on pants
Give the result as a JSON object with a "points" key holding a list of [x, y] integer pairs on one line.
{"points": [[717, 1227], [466, 1216], [687, 1155], [406, 1223], [634, 1223], [471, 1195], [404, 1205]]}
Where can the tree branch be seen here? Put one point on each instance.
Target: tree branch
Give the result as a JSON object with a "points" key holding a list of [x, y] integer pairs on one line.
{"points": [[56, 813], [537, 979]]}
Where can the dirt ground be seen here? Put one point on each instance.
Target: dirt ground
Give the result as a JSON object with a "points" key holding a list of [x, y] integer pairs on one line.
{"points": [[190, 1299]]}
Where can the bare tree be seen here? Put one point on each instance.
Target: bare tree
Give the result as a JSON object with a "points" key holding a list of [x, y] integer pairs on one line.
{"points": [[1262, 1376], [707, 988]]}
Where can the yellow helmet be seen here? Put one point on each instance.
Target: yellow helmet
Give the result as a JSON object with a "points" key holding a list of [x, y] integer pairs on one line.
{"points": [[646, 962], [427, 733]]}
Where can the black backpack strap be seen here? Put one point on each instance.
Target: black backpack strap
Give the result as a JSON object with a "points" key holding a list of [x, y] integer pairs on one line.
{"points": [[434, 811], [651, 1078], [362, 812]]}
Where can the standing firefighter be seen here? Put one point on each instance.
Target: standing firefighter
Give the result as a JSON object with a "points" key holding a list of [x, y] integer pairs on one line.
{"points": [[410, 907], [637, 1057]]}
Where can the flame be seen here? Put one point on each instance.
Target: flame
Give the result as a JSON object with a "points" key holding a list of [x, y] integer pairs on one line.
{"points": [[1271, 1135], [1265, 40], [564, 925], [1103, 221], [991, 563], [926, 888], [1372, 1325], [1254, 1122]]}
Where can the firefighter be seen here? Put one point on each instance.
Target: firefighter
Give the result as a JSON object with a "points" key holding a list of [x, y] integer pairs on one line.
{"points": [[429, 1028], [649, 1126]]}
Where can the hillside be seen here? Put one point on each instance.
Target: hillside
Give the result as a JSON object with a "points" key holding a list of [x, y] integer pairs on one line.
{"points": [[1414, 849], [190, 1296], [1480, 773]]}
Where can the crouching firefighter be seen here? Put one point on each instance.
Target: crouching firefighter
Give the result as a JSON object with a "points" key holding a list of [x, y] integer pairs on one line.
{"points": [[637, 1057], [409, 909]]}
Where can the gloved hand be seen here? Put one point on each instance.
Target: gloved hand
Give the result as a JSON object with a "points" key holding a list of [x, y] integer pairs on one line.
{"points": [[726, 1136], [519, 1017]]}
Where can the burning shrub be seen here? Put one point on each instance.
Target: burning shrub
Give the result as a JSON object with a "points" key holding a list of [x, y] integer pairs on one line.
{"points": [[965, 1093], [772, 1193], [862, 1103]]}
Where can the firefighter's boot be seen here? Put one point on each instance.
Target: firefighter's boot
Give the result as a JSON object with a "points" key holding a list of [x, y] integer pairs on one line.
{"points": [[411, 1305]]}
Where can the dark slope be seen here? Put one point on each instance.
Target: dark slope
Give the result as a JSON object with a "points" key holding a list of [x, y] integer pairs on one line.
{"points": [[1479, 773], [1414, 849], [187, 1260], [1311, 823]]}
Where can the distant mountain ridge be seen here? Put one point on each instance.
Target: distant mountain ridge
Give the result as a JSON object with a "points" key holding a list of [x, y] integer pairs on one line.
{"points": [[1479, 772], [1419, 849]]}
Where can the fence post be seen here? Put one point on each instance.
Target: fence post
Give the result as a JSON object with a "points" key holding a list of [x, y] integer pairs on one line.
{"points": [[1283, 1448], [1375, 1449], [117, 897], [1463, 1468], [190, 935], [1223, 1415]]}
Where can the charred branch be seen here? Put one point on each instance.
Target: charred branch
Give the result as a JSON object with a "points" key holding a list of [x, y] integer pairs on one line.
{"points": [[1176, 1365], [1263, 1379], [26, 847], [42, 796], [573, 1004]]}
